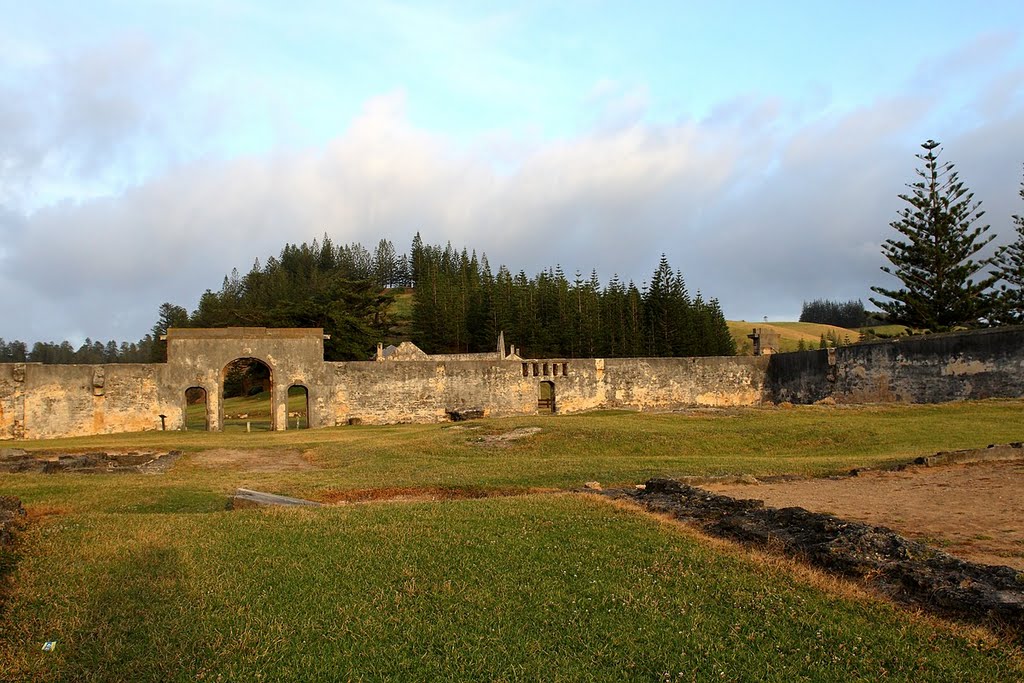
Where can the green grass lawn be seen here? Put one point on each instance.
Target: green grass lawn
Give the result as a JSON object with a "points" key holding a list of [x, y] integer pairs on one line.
{"points": [[148, 578]]}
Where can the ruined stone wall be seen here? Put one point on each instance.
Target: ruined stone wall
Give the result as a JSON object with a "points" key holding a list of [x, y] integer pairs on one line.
{"points": [[921, 369], [12, 400], [44, 401], [666, 383], [427, 391], [77, 400]]}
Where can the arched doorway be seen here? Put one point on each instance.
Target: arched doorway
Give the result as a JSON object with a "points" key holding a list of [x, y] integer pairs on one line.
{"points": [[247, 387], [546, 399], [197, 419], [298, 407]]}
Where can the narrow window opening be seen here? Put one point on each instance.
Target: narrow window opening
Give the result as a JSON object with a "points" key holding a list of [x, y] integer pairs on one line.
{"points": [[196, 417], [298, 407]]}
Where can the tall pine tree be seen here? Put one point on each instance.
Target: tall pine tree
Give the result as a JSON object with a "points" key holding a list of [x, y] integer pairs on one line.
{"points": [[1010, 269], [935, 259]]}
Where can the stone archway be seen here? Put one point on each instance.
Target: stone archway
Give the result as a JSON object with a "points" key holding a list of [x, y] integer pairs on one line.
{"points": [[247, 396]]}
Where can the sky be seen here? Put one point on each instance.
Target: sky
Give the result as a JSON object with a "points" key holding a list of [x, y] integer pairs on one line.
{"points": [[147, 148]]}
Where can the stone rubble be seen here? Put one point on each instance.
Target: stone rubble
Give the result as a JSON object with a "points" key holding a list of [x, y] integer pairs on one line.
{"points": [[18, 461], [908, 571]]}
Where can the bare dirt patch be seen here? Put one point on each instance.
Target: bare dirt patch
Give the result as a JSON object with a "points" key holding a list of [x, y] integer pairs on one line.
{"points": [[422, 493], [507, 437], [907, 571], [973, 511], [253, 460]]}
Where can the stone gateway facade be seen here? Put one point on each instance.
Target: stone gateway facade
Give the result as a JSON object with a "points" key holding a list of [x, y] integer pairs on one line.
{"points": [[406, 385]]}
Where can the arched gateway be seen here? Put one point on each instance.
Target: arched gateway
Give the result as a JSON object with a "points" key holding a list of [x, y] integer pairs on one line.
{"points": [[272, 360]]}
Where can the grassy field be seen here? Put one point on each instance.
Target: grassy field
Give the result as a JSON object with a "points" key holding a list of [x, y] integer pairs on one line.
{"points": [[790, 334], [887, 330], [148, 578]]}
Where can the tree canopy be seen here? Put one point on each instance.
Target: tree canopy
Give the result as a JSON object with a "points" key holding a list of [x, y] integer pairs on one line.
{"points": [[936, 258], [460, 305], [1010, 269], [849, 314]]}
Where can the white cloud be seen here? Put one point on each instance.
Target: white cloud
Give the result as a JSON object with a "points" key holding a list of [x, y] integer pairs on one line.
{"points": [[763, 204]]}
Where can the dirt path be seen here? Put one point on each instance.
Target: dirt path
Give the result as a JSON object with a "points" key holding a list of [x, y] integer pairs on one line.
{"points": [[253, 460], [974, 511]]}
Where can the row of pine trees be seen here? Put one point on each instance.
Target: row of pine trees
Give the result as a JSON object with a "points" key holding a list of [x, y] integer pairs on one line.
{"points": [[460, 305]]}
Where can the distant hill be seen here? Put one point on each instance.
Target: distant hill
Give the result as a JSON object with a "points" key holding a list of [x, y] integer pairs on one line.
{"points": [[790, 334]]}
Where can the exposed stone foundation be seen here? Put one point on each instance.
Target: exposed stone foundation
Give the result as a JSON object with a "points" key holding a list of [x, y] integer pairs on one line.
{"points": [[906, 570]]}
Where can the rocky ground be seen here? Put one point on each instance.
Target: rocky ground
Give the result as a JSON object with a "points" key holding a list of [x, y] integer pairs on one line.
{"points": [[15, 460], [906, 570]]}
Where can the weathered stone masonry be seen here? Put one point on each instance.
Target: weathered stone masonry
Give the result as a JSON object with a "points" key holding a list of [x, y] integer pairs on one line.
{"points": [[920, 369], [45, 401]]}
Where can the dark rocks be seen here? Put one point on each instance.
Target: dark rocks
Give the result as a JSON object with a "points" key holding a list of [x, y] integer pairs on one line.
{"points": [[465, 414], [16, 461], [908, 571]]}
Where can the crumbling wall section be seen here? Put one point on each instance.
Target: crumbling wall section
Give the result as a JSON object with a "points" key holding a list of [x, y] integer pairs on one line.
{"points": [[426, 391], [667, 383], [12, 400], [77, 400], [920, 369], [429, 391]]}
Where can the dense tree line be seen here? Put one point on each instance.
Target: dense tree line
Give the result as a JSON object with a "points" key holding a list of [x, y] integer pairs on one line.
{"points": [[1009, 263], [460, 305], [89, 352], [339, 288], [849, 314]]}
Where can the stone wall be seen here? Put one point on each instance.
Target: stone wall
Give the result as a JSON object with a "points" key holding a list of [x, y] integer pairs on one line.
{"points": [[427, 391], [76, 400], [921, 369], [45, 401]]}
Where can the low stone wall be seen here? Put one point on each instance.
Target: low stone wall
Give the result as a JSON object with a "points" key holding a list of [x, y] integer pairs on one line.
{"points": [[46, 401], [920, 369], [668, 383], [425, 391]]}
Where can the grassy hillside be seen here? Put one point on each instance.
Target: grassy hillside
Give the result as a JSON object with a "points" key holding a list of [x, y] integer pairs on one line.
{"points": [[790, 334], [400, 314]]}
